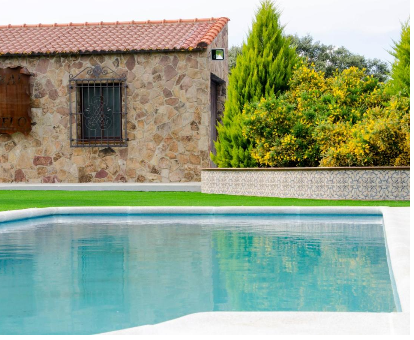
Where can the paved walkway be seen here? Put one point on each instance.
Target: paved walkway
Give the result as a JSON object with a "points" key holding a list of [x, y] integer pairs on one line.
{"points": [[188, 186]]}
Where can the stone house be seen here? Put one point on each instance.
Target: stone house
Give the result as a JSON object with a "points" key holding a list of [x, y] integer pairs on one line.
{"points": [[110, 102]]}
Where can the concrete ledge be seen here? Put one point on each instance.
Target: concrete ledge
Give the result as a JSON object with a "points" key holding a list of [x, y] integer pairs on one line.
{"points": [[397, 234], [319, 168], [187, 186]]}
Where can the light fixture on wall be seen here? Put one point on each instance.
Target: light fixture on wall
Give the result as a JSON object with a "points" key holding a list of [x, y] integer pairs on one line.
{"points": [[217, 53]]}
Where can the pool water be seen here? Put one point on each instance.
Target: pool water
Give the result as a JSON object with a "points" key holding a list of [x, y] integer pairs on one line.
{"points": [[91, 274]]}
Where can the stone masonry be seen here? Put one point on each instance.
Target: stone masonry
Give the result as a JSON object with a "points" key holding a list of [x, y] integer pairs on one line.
{"points": [[168, 102]]}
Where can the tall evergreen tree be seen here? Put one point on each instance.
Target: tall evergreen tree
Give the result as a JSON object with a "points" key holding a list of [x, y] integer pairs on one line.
{"points": [[400, 72], [262, 70]]}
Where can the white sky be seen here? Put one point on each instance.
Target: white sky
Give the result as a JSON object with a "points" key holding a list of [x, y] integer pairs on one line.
{"points": [[365, 27]]}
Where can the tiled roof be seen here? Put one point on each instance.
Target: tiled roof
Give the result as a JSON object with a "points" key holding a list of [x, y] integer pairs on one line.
{"points": [[109, 36]]}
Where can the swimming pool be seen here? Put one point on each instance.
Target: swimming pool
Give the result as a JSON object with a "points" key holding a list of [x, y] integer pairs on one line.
{"points": [[91, 274]]}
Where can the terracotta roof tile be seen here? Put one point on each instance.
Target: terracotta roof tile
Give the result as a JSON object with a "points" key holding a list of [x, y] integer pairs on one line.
{"points": [[109, 36]]}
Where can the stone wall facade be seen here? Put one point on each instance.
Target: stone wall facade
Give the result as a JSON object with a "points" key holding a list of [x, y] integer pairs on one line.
{"points": [[168, 124], [377, 183]]}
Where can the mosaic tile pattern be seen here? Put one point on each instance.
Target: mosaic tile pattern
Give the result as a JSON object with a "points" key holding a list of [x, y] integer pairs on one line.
{"points": [[318, 184]]}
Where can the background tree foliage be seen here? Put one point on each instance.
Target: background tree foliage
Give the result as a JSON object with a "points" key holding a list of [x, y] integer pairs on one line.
{"points": [[328, 58], [263, 69], [349, 119], [233, 53], [400, 73]]}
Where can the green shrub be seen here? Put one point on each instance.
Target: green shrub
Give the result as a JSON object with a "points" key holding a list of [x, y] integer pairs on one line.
{"points": [[345, 120]]}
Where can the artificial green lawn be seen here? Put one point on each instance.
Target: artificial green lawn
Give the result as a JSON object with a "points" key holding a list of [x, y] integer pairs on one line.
{"points": [[14, 199]]}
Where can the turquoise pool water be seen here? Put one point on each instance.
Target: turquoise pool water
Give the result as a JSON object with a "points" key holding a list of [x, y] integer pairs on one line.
{"points": [[91, 274]]}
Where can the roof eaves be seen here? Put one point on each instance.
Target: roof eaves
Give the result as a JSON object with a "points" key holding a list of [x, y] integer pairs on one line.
{"points": [[213, 32], [39, 54]]}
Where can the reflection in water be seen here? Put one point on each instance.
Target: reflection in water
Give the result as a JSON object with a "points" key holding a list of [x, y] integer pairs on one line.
{"points": [[85, 275]]}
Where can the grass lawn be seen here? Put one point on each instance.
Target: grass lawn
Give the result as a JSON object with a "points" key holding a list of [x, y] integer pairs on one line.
{"points": [[13, 199]]}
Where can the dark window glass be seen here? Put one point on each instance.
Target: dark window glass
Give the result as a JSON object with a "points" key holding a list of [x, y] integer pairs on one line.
{"points": [[101, 111]]}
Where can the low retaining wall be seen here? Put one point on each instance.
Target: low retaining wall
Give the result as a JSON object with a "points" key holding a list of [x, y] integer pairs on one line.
{"points": [[359, 183]]}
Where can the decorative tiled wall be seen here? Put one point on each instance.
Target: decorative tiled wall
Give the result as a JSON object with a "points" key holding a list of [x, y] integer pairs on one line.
{"points": [[359, 184]]}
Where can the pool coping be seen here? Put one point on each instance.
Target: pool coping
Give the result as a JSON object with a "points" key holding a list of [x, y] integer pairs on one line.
{"points": [[397, 233]]}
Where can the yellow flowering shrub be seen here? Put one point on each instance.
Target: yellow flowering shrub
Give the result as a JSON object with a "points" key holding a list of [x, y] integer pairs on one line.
{"points": [[381, 137], [346, 120]]}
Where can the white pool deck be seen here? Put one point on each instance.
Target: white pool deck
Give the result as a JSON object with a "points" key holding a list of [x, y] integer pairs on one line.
{"points": [[397, 230]]}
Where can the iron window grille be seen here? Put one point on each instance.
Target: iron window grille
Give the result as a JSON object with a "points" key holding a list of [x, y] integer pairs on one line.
{"points": [[98, 109]]}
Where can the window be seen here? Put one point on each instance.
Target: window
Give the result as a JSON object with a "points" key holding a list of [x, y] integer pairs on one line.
{"points": [[98, 111], [101, 111]]}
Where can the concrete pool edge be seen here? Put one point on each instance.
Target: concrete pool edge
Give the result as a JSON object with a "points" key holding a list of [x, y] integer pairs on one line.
{"points": [[396, 224], [13, 215], [397, 236], [288, 323]]}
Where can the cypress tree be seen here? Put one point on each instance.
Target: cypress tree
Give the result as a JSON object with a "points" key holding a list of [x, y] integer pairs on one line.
{"points": [[400, 73], [262, 70]]}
